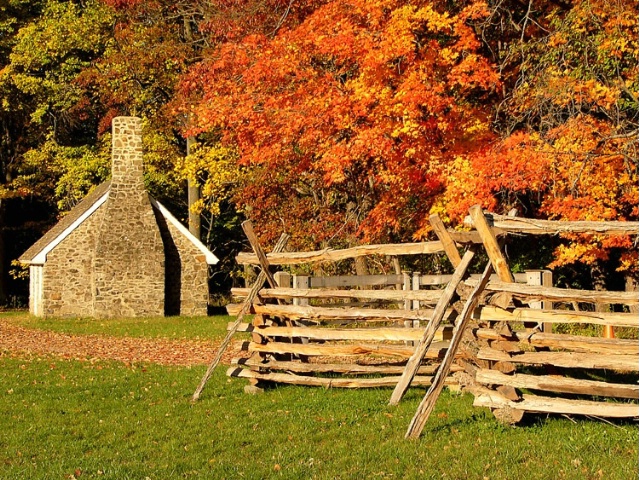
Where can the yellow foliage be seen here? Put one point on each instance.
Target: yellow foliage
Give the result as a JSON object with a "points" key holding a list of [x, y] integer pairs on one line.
{"points": [[19, 270], [215, 170]]}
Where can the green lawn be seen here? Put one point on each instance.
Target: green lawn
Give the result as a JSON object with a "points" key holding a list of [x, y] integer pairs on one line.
{"points": [[204, 328], [64, 418]]}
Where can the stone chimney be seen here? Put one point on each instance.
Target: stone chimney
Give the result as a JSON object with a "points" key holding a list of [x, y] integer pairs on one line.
{"points": [[127, 171], [128, 266]]}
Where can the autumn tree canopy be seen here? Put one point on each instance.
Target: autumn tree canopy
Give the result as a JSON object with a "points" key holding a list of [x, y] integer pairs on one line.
{"points": [[337, 121], [344, 122], [568, 125]]}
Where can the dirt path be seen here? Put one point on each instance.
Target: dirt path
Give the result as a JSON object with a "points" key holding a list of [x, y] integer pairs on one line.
{"points": [[18, 339]]}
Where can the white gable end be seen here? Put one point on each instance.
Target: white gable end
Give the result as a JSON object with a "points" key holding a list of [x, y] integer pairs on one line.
{"points": [[41, 257], [210, 258]]}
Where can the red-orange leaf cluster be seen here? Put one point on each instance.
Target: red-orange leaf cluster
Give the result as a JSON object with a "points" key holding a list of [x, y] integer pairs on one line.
{"points": [[575, 116], [346, 119]]}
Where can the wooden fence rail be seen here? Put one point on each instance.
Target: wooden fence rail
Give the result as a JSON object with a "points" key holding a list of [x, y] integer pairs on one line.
{"points": [[530, 226], [330, 255], [312, 337]]}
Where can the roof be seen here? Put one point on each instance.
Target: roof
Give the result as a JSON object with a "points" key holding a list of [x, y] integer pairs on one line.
{"points": [[66, 222], [210, 258], [36, 254]]}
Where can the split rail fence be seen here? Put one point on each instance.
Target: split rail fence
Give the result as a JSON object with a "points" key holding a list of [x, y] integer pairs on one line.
{"points": [[495, 333]]}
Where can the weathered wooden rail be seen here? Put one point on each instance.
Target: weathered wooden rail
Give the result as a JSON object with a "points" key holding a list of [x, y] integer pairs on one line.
{"points": [[518, 359], [351, 332]]}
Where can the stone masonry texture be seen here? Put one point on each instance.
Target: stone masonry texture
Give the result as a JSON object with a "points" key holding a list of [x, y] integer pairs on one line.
{"points": [[126, 258], [68, 271], [187, 289], [128, 266]]}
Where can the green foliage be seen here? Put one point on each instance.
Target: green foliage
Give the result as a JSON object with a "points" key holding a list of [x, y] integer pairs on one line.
{"points": [[50, 53], [70, 171], [40, 103], [161, 153], [585, 63], [215, 170], [13, 15]]}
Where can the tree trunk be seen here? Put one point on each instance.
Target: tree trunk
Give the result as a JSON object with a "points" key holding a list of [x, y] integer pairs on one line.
{"points": [[195, 224], [3, 265]]}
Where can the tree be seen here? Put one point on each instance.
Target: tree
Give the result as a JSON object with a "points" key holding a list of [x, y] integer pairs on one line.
{"points": [[69, 67], [67, 72], [569, 125], [42, 46], [344, 122]]}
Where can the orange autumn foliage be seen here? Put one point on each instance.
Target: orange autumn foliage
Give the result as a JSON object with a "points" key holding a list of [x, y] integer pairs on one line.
{"points": [[344, 121], [570, 144]]}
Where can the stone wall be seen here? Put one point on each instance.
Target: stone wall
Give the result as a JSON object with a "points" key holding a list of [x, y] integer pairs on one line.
{"points": [[187, 288], [123, 260], [66, 286], [128, 267]]}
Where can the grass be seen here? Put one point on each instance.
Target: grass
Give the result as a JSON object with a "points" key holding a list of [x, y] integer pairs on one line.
{"points": [[61, 419], [105, 420], [157, 327]]}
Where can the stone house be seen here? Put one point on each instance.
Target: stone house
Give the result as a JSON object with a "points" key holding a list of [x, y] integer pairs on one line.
{"points": [[119, 252]]}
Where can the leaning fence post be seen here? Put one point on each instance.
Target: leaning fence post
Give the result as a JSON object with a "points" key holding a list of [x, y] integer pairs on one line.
{"points": [[493, 250], [428, 402], [429, 333], [448, 243], [246, 307]]}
